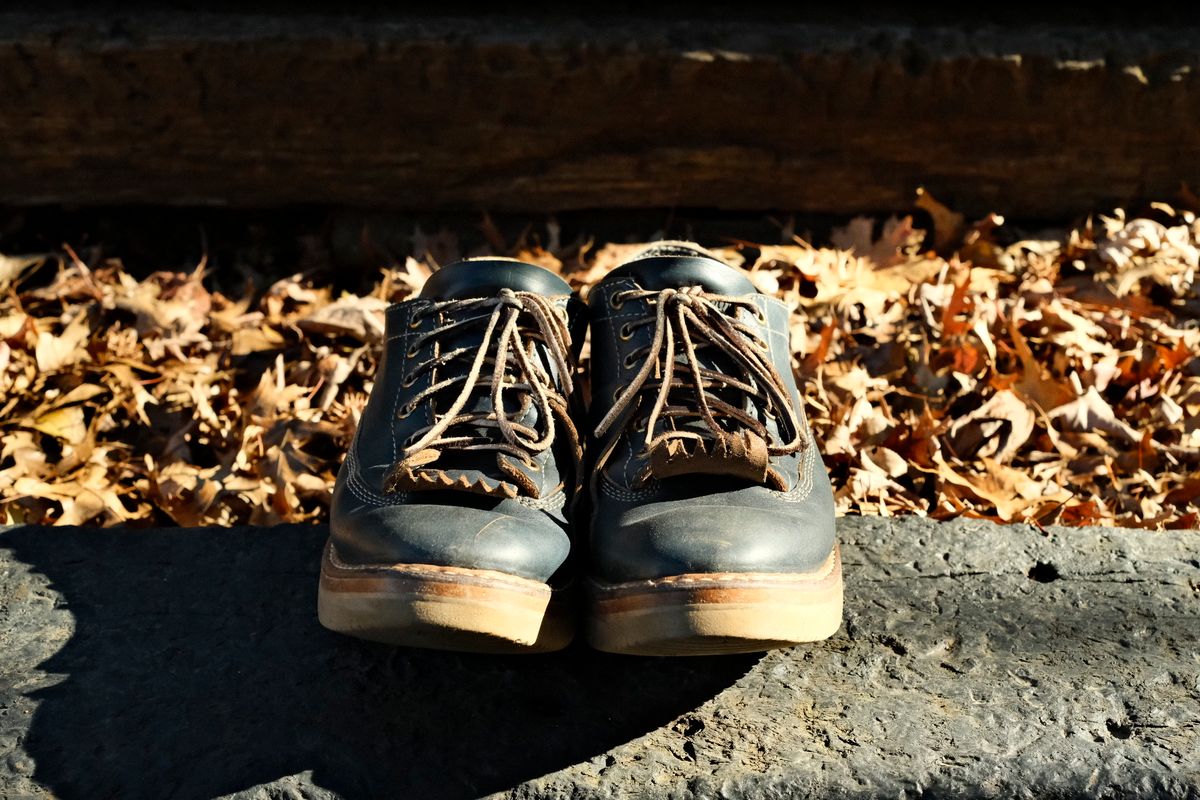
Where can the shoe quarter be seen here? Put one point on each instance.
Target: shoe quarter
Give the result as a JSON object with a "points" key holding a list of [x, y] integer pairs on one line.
{"points": [[795, 468], [371, 457], [610, 372]]}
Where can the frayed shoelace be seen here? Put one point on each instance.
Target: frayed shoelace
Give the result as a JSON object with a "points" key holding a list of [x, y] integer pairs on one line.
{"points": [[686, 320], [515, 322]]}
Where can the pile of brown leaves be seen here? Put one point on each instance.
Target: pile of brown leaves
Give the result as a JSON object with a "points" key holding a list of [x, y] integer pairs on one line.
{"points": [[1051, 380]]}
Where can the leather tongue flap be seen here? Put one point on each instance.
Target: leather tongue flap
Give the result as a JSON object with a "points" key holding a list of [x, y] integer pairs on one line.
{"points": [[738, 455], [421, 472]]}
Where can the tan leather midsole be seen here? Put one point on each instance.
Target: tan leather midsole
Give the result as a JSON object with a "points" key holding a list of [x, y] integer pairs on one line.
{"points": [[720, 588], [446, 607], [338, 576]]}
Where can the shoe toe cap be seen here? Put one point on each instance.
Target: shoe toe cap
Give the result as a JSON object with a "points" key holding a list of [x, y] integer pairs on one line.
{"points": [[505, 536], [718, 535]]}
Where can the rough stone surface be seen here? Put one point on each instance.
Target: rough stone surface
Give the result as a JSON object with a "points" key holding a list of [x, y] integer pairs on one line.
{"points": [[549, 113], [975, 660]]}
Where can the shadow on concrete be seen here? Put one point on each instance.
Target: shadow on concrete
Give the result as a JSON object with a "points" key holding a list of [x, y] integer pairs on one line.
{"points": [[197, 668]]}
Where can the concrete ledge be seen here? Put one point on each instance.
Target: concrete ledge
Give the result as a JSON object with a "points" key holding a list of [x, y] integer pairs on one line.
{"points": [[975, 661], [541, 113]]}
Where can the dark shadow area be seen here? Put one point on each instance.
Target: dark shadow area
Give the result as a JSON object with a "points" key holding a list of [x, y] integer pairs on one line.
{"points": [[197, 667], [347, 247]]}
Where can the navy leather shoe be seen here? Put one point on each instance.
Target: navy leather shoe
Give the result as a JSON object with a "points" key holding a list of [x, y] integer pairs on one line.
{"points": [[712, 516], [449, 520]]}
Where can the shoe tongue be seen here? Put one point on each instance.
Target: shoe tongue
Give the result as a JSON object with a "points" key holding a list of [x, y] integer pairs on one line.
{"points": [[740, 456], [483, 472], [485, 277], [475, 472], [657, 272]]}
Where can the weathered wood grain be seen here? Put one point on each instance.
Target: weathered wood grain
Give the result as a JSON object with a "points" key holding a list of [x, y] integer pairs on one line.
{"points": [[546, 113]]}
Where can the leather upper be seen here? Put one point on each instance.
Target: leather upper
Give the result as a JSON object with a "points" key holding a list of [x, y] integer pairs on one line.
{"points": [[526, 536], [643, 528]]}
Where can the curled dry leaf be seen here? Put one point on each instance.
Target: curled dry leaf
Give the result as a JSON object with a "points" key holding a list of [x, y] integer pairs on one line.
{"points": [[948, 226], [998, 429], [56, 352], [358, 317]]}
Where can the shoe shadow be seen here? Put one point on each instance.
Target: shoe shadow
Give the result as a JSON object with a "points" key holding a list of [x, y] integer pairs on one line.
{"points": [[196, 667]]}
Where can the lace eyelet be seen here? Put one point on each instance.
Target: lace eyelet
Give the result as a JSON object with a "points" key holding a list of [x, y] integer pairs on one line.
{"points": [[415, 322], [405, 411], [626, 332], [413, 352], [762, 344], [627, 362], [533, 466], [759, 316], [409, 380], [614, 303]]}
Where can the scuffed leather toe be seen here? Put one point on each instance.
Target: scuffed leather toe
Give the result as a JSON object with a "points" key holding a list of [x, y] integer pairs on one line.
{"points": [[505, 536], [461, 531], [749, 530]]}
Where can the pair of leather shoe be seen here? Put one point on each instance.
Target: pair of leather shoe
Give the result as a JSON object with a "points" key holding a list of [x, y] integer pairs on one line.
{"points": [[683, 507]]}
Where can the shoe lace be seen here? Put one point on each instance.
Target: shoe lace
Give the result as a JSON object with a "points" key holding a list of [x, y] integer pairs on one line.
{"points": [[514, 324], [686, 321]]}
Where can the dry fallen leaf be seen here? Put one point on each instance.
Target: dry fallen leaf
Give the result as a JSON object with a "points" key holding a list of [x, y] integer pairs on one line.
{"points": [[63, 423], [998, 429], [359, 317], [948, 226], [55, 352]]}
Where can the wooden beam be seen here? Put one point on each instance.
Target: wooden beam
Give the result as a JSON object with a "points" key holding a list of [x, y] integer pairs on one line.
{"points": [[538, 114]]}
